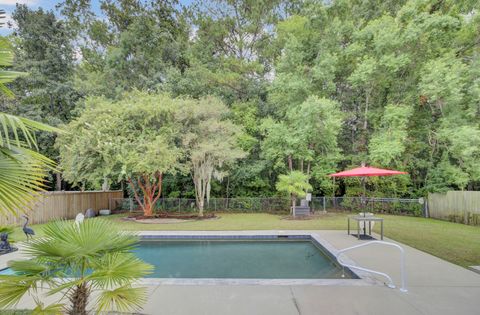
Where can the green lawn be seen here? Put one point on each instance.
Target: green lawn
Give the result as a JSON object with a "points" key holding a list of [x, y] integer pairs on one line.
{"points": [[454, 242]]}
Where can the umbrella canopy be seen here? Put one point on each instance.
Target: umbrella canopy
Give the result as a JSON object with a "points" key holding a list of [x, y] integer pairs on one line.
{"points": [[367, 171]]}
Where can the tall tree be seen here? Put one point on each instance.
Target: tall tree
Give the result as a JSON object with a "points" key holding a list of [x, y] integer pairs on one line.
{"points": [[22, 168], [43, 48], [210, 143], [306, 139], [406, 98], [130, 45], [131, 139]]}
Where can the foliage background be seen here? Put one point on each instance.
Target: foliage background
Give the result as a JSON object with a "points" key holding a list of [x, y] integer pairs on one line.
{"points": [[315, 87]]}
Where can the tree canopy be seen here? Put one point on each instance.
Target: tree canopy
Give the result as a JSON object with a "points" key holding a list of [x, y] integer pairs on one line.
{"points": [[313, 86]]}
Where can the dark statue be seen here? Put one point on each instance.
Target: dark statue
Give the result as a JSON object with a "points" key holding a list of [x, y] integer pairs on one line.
{"points": [[5, 246]]}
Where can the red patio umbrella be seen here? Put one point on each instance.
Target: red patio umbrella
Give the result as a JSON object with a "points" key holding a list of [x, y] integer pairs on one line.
{"points": [[366, 171]]}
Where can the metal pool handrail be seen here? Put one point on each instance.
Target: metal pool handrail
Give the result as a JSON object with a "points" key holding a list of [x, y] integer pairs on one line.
{"points": [[402, 263]]}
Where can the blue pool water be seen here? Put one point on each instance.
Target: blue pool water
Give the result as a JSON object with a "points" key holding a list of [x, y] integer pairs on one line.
{"points": [[6, 271], [252, 259], [241, 259]]}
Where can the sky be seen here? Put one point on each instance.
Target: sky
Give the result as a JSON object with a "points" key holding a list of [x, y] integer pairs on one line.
{"points": [[9, 6]]}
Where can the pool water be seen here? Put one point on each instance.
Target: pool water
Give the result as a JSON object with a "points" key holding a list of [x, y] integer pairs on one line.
{"points": [[251, 259], [6, 271]]}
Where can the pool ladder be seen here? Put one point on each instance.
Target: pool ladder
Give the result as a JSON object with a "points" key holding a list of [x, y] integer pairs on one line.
{"points": [[390, 283]]}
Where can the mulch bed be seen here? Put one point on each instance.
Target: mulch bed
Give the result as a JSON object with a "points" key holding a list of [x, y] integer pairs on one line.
{"points": [[164, 215]]}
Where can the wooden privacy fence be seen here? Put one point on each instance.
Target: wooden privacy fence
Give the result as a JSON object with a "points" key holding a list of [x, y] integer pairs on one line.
{"points": [[63, 204], [455, 206]]}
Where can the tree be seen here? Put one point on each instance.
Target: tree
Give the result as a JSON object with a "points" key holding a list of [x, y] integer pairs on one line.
{"points": [[131, 139], [229, 53], [127, 45], [210, 143], [306, 139], [388, 142], [22, 169], [397, 80], [295, 184], [44, 48], [407, 99], [78, 260]]}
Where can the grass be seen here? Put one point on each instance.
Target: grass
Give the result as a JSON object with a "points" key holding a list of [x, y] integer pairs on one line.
{"points": [[457, 243]]}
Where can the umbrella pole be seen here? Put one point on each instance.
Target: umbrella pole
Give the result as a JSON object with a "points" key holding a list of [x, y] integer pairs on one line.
{"points": [[364, 200], [333, 194]]}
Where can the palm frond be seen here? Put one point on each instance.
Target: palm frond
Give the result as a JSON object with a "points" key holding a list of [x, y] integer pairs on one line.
{"points": [[14, 287], [52, 309], [125, 298], [70, 242], [22, 177], [117, 269], [22, 171], [95, 254], [6, 53], [13, 125], [6, 60]]}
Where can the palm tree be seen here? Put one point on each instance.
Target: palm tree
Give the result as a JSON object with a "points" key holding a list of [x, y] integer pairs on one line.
{"points": [[295, 184], [78, 261], [22, 169]]}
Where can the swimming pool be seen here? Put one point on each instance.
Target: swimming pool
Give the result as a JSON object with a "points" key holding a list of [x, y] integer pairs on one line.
{"points": [[227, 258], [239, 259], [6, 271]]}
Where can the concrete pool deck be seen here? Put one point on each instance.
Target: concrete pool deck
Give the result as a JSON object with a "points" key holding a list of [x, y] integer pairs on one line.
{"points": [[435, 287]]}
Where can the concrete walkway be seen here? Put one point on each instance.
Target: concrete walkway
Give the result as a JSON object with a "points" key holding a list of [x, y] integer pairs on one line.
{"points": [[435, 287]]}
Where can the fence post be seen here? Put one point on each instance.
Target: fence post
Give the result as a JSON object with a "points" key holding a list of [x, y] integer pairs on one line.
{"points": [[215, 204], [178, 204], [324, 206]]}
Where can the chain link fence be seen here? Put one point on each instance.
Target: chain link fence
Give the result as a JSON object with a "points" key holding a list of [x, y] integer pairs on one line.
{"points": [[183, 205], [279, 205], [403, 206]]}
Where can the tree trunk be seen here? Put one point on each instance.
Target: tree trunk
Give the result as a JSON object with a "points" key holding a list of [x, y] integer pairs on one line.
{"points": [[152, 190], [105, 185], [209, 181], [58, 179], [79, 300], [365, 121], [200, 207], [199, 190], [292, 211], [290, 163]]}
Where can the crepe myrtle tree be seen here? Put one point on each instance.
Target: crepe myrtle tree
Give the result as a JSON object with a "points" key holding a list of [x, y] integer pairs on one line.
{"points": [[209, 141], [131, 139], [144, 167], [295, 184]]}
